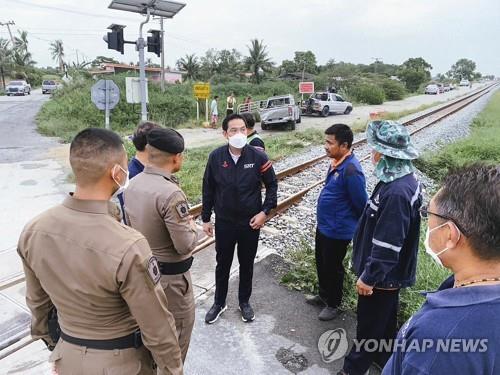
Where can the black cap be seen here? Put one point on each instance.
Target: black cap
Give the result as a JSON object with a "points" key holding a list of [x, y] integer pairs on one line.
{"points": [[167, 140]]}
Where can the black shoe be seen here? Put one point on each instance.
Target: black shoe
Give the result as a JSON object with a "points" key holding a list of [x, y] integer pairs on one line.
{"points": [[214, 313], [247, 314], [315, 301], [328, 313]]}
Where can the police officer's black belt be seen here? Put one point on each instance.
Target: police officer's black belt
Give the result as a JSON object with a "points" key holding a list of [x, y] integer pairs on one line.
{"points": [[175, 268], [134, 340]]}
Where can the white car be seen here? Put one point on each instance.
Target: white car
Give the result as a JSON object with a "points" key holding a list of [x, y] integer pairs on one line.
{"points": [[464, 82], [325, 103], [280, 110], [17, 88], [432, 89]]}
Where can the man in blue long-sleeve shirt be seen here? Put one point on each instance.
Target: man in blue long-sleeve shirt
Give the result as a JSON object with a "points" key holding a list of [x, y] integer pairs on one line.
{"points": [[386, 241], [340, 205]]}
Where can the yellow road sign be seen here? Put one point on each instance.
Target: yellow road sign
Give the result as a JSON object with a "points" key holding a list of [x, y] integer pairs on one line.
{"points": [[201, 90]]}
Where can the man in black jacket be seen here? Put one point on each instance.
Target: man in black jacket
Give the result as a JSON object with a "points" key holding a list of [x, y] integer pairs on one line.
{"points": [[232, 186]]}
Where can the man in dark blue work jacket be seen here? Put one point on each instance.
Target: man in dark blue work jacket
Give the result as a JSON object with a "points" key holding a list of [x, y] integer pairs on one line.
{"points": [[386, 242], [232, 186], [340, 205], [457, 331]]}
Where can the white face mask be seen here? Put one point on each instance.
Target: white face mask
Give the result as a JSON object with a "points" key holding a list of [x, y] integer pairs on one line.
{"points": [[428, 249], [238, 140], [121, 188]]}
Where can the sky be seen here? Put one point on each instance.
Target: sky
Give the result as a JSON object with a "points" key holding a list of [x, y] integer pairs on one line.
{"points": [[358, 31]]}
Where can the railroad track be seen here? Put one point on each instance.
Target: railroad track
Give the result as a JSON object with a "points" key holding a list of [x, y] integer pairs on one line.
{"points": [[417, 123]]}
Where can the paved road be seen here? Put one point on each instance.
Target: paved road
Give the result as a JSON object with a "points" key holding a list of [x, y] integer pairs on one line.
{"points": [[20, 140]]}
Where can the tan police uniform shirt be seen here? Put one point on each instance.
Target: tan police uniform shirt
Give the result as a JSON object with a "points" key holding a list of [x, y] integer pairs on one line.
{"points": [[156, 206], [101, 277]]}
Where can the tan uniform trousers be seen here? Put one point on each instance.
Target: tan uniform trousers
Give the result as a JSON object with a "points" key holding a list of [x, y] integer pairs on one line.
{"points": [[70, 359], [180, 298]]}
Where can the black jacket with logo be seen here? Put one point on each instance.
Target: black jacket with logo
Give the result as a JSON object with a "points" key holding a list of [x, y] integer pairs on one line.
{"points": [[234, 190]]}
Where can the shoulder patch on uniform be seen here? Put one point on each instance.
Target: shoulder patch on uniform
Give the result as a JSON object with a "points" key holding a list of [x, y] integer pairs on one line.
{"points": [[153, 270], [182, 209]]}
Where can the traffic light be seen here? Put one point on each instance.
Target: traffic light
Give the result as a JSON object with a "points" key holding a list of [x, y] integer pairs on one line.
{"points": [[115, 38], [154, 42]]}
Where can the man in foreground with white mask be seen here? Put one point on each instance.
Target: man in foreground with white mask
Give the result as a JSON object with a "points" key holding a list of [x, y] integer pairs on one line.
{"points": [[98, 273], [385, 245], [460, 323], [232, 187]]}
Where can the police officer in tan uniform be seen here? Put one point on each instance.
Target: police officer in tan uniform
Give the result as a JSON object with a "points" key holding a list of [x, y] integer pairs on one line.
{"points": [[98, 273], [156, 206]]}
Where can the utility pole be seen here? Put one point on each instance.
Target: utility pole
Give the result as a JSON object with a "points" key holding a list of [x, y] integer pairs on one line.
{"points": [[77, 60], [142, 69], [162, 56], [8, 23]]}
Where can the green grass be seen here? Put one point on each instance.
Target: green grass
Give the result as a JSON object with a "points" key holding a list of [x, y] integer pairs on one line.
{"points": [[483, 145], [302, 276]]}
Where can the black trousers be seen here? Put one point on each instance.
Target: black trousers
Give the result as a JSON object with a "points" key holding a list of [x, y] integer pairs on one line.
{"points": [[229, 112], [227, 236], [377, 319], [330, 254]]}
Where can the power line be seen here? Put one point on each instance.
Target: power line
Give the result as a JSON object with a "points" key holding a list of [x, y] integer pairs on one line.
{"points": [[65, 10]]}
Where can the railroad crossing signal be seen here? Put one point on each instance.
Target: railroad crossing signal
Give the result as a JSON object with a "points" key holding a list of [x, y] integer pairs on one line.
{"points": [[154, 42], [115, 38]]}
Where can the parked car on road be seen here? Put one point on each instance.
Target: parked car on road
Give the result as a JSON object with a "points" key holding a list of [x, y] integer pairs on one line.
{"points": [[432, 89], [49, 86], [18, 88], [324, 103], [278, 110], [464, 82]]}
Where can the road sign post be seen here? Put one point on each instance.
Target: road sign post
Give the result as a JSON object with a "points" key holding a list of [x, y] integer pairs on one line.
{"points": [[105, 94], [201, 91]]}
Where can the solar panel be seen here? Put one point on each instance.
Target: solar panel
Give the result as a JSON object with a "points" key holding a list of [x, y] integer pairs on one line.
{"points": [[161, 8]]}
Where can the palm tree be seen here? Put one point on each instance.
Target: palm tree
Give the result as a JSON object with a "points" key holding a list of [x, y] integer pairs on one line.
{"points": [[21, 56], [57, 52], [190, 65], [5, 58], [258, 60]]}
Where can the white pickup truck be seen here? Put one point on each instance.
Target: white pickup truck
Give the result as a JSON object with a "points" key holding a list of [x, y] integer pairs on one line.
{"points": [[324, 103], [275, 111]]}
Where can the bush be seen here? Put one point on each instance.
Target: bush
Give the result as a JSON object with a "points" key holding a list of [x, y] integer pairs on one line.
{"points": [[369, 94], [393, 90]]}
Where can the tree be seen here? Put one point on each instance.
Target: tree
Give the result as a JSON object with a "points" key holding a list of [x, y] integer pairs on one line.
{"points": [[463, 69], [414, 72], [228, 62], [57, 52], [190, 65], [103, 60], [258, 61], [209, 63], [5, 58], [21, 56], [305, 61]]}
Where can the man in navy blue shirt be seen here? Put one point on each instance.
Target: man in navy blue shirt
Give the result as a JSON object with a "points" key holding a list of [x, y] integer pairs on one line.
{"points": [[340, 205], [459, 323], [137, 163], [386, 242], [232, 187]]}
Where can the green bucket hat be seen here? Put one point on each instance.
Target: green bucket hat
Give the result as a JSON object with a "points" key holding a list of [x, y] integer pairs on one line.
{"points": [[391, 139]]}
